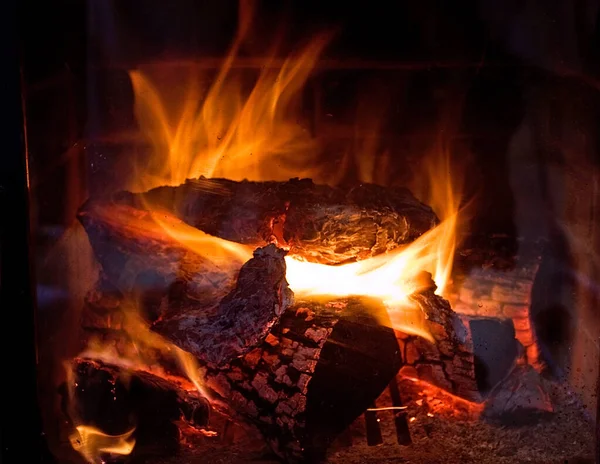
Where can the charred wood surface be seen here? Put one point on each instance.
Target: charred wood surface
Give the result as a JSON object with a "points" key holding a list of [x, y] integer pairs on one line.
{"points": [[243, 318], [138, 250], [216, 308], [320, 223], [447, 360], [299, 406], [321, 367], [115, 400]]}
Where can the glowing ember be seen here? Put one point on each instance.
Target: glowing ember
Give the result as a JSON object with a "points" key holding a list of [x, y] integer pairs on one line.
{"points": [[92, 443]]}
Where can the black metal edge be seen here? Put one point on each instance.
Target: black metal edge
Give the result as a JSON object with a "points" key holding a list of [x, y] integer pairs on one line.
{"points": [[22, 436]]}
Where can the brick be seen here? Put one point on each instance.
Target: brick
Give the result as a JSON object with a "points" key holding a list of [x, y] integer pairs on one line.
{"points": [[533, 356], [516, 311], [525, 337], [522, 323], [467, 295], [463, 308], [507, 294], [488, 308], [524, 286]]}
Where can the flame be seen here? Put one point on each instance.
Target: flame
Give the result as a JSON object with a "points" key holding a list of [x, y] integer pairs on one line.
{"points": [[225, 131], [393, 276], [221, 252], [144, 353], [221, 129], [146, 350], [92, 443]]}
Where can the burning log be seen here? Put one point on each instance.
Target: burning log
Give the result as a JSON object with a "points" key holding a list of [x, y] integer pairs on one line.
{"points": [[138, 250], [320, 223], [447, 359], [217, 332], [240, 321], [325, 362], [321, 367], [115, 399]]}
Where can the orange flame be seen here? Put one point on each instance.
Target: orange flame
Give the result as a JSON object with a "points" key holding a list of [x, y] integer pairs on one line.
{"points": [[227, 133], [392, 277], [92, 443], [146, 346]]}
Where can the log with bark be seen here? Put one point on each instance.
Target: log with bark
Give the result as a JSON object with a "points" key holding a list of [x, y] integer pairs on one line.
{"points": [[214, 331], [115, 400], [321, 367], [320, 223], [447, 360]]}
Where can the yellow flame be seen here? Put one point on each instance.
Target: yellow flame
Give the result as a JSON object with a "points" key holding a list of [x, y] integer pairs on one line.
{"points": [[392, 277], [237, 135], [225, 131], [91, 443], [221, 252], [146, 350]]}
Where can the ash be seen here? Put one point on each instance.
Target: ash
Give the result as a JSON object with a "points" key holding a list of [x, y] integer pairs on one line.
{"points": [[442, 431]]}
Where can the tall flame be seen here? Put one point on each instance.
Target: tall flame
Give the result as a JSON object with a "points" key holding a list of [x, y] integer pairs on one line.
{"points": [[393, 276], [225, 131]]}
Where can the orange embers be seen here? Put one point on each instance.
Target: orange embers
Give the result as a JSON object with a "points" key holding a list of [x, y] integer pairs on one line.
{"points": [[434, 401]]}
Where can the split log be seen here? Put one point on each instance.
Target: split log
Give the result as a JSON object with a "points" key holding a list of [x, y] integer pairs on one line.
{"points": [[138, 249], [115, 400], [320, 223], [241, 320], [321, 367], [447, 360], [215, 332]]}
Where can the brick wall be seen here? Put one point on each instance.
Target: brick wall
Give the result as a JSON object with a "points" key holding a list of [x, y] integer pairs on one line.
{"points": [[486, 292]]}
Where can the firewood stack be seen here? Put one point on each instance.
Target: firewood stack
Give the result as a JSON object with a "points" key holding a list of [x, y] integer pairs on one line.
{"points": [[303, 370]]}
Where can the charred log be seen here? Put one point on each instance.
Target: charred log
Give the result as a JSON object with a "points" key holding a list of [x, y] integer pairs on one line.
{"points": [[242, 319], [320, 223], [447, 359], [138, 250], [299, 406], [215, 333], [321, 367], [115, 400]]}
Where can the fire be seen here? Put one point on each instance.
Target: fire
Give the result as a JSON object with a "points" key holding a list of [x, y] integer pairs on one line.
{"points": [[223, 130], [146, 350], [92, 443], [142, 353], [226, 132]]}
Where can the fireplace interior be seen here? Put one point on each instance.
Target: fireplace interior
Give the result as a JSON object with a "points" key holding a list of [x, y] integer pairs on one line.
{"points": [[309, 232]]}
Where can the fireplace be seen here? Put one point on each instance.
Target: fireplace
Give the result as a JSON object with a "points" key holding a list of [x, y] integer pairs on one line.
{"points": [[308, 233]]}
